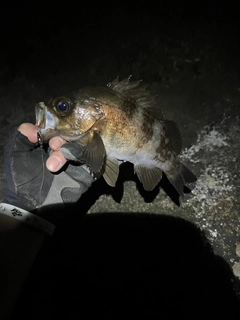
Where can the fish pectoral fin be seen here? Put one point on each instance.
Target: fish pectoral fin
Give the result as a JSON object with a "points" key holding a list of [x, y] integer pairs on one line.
{"points": [[111, 171], [149, 177], [174, 135], [94, 153]]}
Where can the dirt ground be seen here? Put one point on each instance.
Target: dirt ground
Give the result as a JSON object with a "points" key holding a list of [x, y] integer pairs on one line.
{"points": [[191, 61]]}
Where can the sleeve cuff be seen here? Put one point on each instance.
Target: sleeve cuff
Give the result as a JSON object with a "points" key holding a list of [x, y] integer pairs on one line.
{"points": [[27, 217]]}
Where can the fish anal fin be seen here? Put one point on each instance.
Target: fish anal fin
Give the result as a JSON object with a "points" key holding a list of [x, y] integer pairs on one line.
{"points": [[94, 153], [149, 177], [111, 171], [174, 136]]}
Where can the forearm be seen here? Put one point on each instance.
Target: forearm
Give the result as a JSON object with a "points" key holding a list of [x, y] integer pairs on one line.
{"points": [[31, 186], [19, 245]]}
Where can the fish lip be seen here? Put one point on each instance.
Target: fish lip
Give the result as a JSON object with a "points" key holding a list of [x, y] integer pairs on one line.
{"points": [[45, 120], [40, 110], [73, 138]]}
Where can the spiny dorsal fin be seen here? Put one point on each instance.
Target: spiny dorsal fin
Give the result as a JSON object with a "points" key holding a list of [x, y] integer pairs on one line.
{"points": [[124, 85], [138, 93], [174, 136], [95, 153], [148, 176], [111, 171]]}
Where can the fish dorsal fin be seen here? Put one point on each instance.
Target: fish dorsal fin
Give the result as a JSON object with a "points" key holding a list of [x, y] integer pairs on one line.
{"points": [[111, 171], [174, 136], [148, 176], [138, 93], [94, 153], [123, 86]]}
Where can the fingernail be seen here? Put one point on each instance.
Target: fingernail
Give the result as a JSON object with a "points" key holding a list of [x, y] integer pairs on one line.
{"points": [[54, 163]]}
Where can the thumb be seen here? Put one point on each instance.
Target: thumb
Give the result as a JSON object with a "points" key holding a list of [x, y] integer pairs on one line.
{"points": [[29, 130]]}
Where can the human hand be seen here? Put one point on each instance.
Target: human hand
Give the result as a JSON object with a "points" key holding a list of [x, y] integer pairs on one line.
{"points": [[56, 159], [29, 184]]}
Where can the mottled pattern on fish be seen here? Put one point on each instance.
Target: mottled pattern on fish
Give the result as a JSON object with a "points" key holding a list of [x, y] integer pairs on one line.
{"points": [[120, 122]]}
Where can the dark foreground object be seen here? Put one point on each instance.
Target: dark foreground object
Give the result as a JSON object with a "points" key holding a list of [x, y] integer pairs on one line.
{"points": [[128, 266]]}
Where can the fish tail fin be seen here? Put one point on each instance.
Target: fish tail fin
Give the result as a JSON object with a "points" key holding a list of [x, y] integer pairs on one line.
{"points": [[186, 174], [179, 175]]}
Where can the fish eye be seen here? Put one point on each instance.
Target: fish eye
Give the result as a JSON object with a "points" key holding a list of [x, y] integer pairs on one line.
{"points": [[63, 106]]}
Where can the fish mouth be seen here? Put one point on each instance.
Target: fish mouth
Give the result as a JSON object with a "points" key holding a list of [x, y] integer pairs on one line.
{"points": [[46, 122]]}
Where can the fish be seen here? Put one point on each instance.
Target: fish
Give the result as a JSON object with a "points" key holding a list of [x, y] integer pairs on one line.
{"points": [[120, 122]]}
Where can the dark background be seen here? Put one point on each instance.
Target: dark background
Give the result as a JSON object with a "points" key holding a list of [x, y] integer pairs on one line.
{"points": [[41, 39], [121, 265]]}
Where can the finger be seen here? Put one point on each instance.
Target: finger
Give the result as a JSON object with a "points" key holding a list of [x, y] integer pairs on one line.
{"points": [[29, 130], [56, 143], [56, 161]]}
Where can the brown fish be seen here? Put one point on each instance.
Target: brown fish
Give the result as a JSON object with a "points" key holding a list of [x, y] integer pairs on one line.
{"points": [[118, 123]]}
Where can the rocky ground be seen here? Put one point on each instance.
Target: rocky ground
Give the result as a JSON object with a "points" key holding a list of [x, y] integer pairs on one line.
{"points": [[192, 65]]}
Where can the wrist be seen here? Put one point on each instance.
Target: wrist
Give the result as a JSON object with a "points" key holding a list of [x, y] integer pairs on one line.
{"points": [[27, 217]]}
